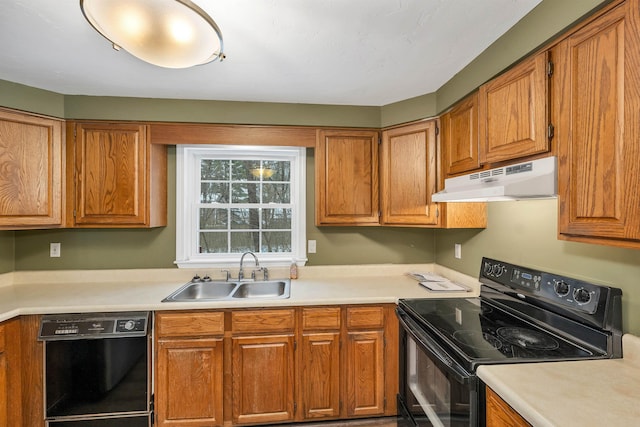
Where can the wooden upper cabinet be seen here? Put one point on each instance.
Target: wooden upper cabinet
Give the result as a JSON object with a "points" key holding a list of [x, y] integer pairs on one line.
{"points": [[459, 137], [598, 128], [31, 178], [346, 163], [120, 177], [408, 174], [513, 118]]}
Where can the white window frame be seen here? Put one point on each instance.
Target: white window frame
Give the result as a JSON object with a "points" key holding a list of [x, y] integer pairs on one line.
{"points": [[187, 204]]}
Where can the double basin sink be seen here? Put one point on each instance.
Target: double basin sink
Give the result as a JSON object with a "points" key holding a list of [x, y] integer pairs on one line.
{"points": [[231, 290]]}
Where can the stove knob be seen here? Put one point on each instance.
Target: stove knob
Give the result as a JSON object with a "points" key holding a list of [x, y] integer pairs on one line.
{"points": [[498, 270], [561, 287], [581, 296], [487, 268]]}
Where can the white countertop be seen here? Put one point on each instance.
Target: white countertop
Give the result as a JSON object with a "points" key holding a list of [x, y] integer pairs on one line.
{"points": [[42, 292], [592, 393]]}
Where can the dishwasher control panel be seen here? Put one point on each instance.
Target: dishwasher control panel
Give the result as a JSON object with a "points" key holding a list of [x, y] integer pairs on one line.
{"points": [[93, 325]]}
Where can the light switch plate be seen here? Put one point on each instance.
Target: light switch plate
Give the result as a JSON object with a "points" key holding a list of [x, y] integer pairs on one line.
{"points": [[457, 251], [311, 246]]}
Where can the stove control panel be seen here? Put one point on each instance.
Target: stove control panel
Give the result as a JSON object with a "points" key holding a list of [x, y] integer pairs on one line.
{"points": [[572, 293]]}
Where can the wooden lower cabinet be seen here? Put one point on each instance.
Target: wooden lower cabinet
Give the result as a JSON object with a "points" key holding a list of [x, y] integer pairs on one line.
{"points": [[365, 373], [262, 376], [500, 414], [189, 369], [4, 404], [319, 363], [189, 387], [276, 365]]}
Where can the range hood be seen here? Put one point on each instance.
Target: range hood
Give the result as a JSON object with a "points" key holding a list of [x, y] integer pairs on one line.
{"points": [[536, 179]]}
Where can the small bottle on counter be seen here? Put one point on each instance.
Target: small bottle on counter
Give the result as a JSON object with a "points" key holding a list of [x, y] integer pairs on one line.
{"points": [[293, 271]]}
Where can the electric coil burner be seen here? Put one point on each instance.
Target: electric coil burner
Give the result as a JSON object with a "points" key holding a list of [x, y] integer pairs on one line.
{"points": [[522, 315]]}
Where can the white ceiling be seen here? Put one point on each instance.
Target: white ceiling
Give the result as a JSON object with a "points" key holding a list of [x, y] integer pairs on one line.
{"points": [[350, 52]]}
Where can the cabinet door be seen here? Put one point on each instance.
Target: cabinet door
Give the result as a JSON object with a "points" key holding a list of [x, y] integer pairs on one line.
{"points": [[459, 137], [4, 404], [500, 414], [320, 375], [347, 177], [599, 130], [513, 119], [365, 370], [408, 173], [189, 378], [120, 178], [262, 379], [31, 173]]}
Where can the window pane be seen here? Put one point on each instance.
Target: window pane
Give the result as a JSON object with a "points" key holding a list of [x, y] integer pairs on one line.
{"points": [[245, 241], [211, 192], [245, 219], [214, 170], [276, 219], [244, 192], [276, 170], [275, 193], [213, 243], [276, 241], [245, 170], [213, 219]]}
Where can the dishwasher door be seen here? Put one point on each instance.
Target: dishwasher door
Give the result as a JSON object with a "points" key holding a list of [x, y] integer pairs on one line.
{"points": [[101, 379]]}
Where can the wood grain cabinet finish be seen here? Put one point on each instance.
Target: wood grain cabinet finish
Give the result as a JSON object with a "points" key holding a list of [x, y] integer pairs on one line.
{"points": [[598, 129], [31, 171], [346, 163], [408, 175], [459, 137], [365, 361], [263, 366], [120, 177], [319, 362], [513, 113], [4, 393], [500, 414], [189, 375]]}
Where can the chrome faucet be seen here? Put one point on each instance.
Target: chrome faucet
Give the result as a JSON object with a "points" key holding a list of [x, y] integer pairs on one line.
{"points": [[241, 272]]}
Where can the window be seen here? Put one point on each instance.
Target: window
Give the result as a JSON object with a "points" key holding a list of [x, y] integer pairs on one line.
{"points": [[234, 199]]}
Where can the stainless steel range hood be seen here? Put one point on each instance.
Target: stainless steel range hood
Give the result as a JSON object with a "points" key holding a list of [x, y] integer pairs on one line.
{"points": [[536, 179]]}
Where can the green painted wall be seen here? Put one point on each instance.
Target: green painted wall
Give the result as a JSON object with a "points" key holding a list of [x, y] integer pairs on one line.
{"points": [[21, 97], [113, 108], [525, 233], [7, 251], [155, 248], [548, 19]]}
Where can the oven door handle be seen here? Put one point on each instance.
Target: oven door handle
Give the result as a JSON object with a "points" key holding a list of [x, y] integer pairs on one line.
{"points": [[429, 345]]}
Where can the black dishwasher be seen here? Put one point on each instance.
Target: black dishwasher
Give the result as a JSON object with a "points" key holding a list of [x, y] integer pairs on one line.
{"points": [[97, 369]]}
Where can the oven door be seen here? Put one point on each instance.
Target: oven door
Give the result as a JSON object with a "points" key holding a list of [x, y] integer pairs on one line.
{"points": [[435, 390]]}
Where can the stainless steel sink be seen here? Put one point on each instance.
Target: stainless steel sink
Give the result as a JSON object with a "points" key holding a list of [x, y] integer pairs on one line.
{"points": [[220, 291], [270, 289]]}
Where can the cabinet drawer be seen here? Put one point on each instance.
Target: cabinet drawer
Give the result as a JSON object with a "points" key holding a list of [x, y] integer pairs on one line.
{"points": [[321, 318], [365, 317], [190, 324], [262, 320]]}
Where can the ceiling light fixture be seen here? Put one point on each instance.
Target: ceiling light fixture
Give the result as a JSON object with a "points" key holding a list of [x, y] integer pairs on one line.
{"points": [[166, 33]]}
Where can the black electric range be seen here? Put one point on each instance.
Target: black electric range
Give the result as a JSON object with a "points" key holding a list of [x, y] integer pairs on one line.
{"points": [[522, 315]]}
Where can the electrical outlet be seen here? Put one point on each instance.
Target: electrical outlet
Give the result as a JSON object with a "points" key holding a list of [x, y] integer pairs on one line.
{"points": [[457, 251], [54, 250], [311, 246]]}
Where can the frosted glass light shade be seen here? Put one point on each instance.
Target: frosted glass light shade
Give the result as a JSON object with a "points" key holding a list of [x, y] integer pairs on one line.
{"points": [[166, 33]]}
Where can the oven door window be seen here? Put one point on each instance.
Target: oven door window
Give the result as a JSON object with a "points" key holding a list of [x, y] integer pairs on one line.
{"points": [[436, 397]]}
